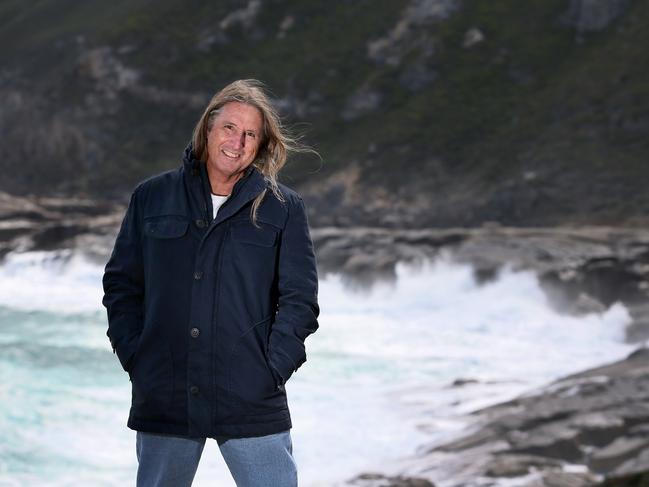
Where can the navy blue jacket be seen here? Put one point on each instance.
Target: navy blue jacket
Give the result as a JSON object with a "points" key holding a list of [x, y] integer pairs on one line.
{"points": [[209, 317]]}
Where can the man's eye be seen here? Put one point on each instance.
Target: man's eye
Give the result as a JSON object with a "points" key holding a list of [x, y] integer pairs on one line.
{"points": [[251, 134], [228, 127]]}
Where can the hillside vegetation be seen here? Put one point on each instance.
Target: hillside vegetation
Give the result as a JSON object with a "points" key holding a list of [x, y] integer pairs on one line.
{"points": [[425, 112]]}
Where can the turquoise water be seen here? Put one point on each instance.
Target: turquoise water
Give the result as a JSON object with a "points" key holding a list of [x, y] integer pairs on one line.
{"points": [[374, 387], [60, 397]]}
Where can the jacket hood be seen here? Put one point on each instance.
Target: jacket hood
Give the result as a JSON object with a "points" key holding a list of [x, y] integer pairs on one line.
{"points": [[189, 158]]}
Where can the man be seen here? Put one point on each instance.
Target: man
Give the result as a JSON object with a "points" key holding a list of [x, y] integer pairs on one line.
{"points": [[211, 291]]}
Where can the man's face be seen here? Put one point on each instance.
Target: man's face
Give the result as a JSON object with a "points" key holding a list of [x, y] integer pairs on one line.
{"points": [[233, 140]]}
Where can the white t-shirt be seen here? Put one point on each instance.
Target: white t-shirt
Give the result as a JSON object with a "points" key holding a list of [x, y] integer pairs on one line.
{"points": [[217, 201]]}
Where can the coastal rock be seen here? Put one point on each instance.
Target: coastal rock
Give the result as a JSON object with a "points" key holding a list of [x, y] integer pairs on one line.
{"points": [[638, 330], [379, 480], [597, 428], [557, 478], [640, 479], [636, 465], [516, 465], [578, 430], [555, 440], [617, 452]]}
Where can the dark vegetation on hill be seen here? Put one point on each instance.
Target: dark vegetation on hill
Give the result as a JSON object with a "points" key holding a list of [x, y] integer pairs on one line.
{"points": [[425, 112]]}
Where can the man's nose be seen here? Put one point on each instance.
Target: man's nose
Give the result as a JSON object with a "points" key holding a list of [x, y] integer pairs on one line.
{"points": [[239, 140]]}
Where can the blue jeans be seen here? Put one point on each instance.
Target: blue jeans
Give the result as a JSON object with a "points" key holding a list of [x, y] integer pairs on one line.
{"points": [[166, 460]]}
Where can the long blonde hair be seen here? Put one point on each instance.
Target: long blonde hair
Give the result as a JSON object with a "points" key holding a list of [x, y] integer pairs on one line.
{"points": [[276, 141]]}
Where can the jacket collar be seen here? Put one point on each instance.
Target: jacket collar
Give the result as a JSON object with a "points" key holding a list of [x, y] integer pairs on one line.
{"points": [[246, 189]]}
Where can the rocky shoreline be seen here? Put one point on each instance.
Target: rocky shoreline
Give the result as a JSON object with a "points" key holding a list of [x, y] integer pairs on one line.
{"points": [[585, 429]]}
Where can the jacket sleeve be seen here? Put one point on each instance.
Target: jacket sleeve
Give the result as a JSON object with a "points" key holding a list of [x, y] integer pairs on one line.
{"points": [[297, 301], [124, 287]]}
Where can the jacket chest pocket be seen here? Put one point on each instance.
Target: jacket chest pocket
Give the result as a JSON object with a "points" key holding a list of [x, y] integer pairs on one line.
{"points": [[252, 252], [247, 234], [166, 239], [165, 227]]}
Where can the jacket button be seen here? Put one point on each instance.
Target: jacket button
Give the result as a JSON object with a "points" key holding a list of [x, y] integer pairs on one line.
{"points": [[194, 332], [194, 390], [198, 275], [201, 223]]}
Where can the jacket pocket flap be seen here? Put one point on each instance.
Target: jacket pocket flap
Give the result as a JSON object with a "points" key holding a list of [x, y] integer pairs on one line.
{"points": [[165, 227], [264, 236]]}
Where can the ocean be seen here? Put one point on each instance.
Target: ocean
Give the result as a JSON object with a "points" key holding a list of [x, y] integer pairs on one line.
{"points": [[377, 385]]}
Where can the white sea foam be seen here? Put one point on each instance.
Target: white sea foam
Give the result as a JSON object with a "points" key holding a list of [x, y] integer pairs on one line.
{"points": [[374, 388], [61, 281]]}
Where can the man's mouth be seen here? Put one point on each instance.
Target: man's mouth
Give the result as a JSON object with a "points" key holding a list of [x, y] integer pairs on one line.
{"points": [[230, 154]]}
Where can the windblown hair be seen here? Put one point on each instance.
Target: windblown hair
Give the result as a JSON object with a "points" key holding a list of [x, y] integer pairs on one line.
{"points": [[276, 142]]}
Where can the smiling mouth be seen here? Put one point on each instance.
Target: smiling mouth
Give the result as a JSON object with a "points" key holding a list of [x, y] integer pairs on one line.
{"points": [[230, 155]]}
